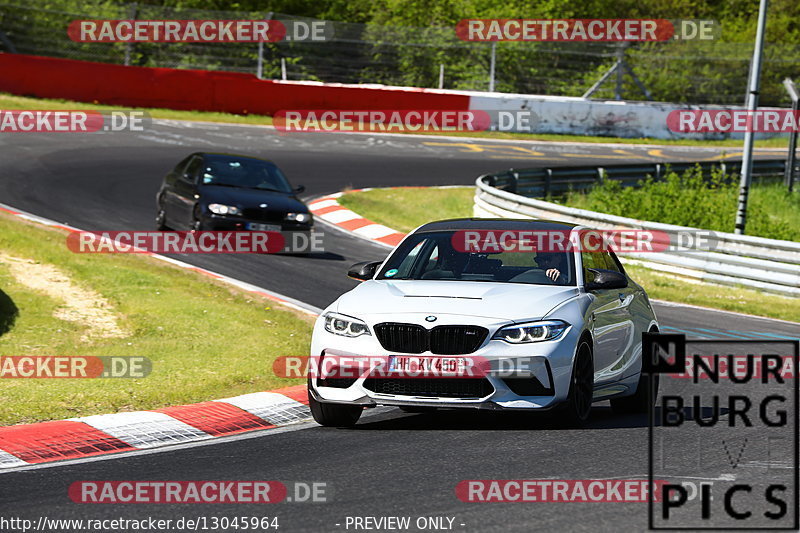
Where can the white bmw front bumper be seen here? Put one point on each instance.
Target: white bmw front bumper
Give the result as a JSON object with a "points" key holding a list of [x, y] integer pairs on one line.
{"points": [[518, 376]]}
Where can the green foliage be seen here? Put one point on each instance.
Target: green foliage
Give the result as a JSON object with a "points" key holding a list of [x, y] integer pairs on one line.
{"points": [[692, 199], [404, 42]]}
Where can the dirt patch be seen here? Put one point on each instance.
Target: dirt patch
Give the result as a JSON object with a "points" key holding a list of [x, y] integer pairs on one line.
{"points": [[82, 306]]}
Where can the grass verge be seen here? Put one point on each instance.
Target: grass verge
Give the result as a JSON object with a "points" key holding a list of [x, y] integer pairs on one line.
{"points": [[205, 340], [424, 205], [416, 205], [10, 102]]}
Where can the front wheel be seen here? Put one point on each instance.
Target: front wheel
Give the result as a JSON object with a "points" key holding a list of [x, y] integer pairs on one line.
{"points": [[197, 223], [161, 217], [578, 406], [333, 414]]}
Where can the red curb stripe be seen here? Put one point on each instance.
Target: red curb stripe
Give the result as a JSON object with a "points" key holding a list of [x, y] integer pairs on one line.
{"points": [[329, 209], [393, 239], [60, 439], [355, 223], [296, 392], [216, 418]]}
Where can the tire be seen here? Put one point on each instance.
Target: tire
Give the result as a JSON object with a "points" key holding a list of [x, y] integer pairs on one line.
{"points": [[161, 218], [641, 401], [420, 409], [197, 224], [334, 415], [576, 410]]}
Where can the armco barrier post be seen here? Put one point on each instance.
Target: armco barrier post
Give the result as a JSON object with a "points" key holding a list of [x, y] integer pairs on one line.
{"points": [[790, 161]]}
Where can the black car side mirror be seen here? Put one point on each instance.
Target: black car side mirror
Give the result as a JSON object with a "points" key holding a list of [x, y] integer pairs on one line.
{"points": [[299, 189], [364, 270], [606, 279]]}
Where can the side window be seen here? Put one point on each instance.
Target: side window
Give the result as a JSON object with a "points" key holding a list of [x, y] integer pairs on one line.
{"points": [[591, 260], [612, 262], [193, 168], [180, 166]]}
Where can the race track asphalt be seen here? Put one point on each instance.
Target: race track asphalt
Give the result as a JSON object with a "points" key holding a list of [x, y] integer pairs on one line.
{"points": [[391, 463]]}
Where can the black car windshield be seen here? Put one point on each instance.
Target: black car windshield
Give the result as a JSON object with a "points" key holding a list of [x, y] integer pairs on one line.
{"points": [[432, 256], [243, 172]]}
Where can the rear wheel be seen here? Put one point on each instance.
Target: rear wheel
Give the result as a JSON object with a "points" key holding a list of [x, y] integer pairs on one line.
{"points": [[578, 406], [333, 414]]}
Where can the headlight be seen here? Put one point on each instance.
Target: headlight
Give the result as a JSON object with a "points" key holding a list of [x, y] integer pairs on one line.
{"points": [[222, 209], [345, 325], [545, 330], [302, 218]]}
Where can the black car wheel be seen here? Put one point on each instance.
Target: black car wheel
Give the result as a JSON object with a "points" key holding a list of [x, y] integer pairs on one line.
{"points": [[578, 406], [197, 223], [332, 414], [161, 218]]}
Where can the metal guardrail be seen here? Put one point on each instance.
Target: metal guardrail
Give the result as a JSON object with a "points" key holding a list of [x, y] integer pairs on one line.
{"points": [[738, 260], [543, 182]]}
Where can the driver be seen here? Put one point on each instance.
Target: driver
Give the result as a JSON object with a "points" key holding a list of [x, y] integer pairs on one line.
{"points": [[551, 263]]}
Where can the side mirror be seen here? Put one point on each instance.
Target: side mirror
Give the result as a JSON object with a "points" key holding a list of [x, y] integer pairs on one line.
{"points": [[606, 279], [364, 271], [299, 189]]}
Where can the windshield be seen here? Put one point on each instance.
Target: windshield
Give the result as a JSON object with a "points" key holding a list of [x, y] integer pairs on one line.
{"points": [[243, 172], [431, 256]]}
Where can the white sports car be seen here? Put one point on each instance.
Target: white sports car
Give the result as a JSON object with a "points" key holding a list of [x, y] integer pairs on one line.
{"points": [[444, 326]]}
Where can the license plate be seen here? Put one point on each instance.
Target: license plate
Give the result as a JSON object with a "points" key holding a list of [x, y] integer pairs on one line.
{"points": [[262, 227], [428, 365]]}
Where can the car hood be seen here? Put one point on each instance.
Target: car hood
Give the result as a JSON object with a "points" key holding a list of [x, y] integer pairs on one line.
{"points": [[505, 301], [252, 198]]}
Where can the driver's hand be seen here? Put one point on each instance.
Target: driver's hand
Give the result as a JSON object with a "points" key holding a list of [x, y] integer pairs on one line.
{"points": [[553, 273]]}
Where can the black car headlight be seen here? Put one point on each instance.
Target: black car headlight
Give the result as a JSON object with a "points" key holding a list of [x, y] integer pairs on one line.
{"points": [[344, 325], [300, 218], [543, 330]]}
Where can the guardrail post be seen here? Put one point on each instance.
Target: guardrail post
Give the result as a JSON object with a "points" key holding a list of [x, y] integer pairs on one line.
{"points": [[260, 62], [548, 179], [600, 174], [790, 161], [512, 184]]}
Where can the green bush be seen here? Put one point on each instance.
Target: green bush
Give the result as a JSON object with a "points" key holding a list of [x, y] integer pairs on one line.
{"points": [[696, 200]]}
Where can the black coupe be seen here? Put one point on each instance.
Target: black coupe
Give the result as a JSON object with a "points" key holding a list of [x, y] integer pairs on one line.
{"points": [[227, 192]]}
